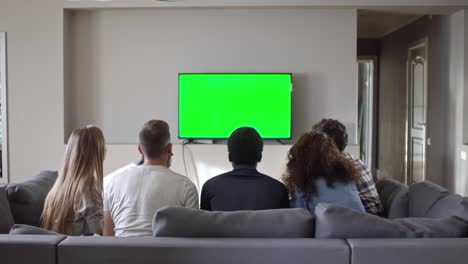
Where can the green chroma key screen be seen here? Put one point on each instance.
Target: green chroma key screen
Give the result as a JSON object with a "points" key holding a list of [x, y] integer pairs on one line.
{"points": [[212, 105]]}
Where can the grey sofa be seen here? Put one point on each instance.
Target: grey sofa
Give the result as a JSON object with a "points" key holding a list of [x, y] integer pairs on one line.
{"points": [[74, 250], [399, 201], [29, 248], [70, 250]]}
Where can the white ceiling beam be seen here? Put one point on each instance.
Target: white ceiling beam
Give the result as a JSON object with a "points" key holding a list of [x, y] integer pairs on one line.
{"points": [[266, 3]]}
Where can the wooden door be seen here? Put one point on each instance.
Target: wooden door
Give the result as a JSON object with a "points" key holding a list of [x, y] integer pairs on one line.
{"points": [[416, 112]]}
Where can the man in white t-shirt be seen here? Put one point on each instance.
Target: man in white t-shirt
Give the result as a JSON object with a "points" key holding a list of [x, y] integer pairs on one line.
{"points": [[133, 195]]}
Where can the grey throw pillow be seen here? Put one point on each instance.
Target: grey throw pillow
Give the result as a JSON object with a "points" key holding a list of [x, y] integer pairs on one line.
{"points": [[6, 219], [333, 221], [394, 197], [27, 198], [30, 230], [187, 222], [429, 200]]}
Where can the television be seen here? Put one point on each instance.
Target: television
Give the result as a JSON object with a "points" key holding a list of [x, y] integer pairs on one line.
{"points": [[212, 105]]}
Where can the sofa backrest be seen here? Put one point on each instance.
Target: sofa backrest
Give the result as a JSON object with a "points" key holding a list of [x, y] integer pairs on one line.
{"points": [[334, 221], [6, 219], [20, 229], [429, 200], [279, 223], [27, 198], [394, 197]]}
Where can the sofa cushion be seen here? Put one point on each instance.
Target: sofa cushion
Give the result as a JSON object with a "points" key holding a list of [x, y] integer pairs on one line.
{"points": [[333, 221], [394, 197], [280, 223], [450, 205], [429, 200], [27, 198], [6, 219], [30, 230]]}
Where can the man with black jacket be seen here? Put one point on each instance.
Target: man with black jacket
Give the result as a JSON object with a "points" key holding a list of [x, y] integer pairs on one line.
{"points": [[244, 188]]}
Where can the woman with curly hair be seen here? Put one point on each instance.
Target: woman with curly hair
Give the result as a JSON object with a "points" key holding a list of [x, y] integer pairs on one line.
{"points": [[317, 172]]}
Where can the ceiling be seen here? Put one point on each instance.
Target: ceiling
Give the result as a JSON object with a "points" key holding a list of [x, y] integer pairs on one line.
{"points": [[377, 24], [376, 18]]}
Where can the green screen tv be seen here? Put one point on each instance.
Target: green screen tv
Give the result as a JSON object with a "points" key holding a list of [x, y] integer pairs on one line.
{"points": [[212, 105]]}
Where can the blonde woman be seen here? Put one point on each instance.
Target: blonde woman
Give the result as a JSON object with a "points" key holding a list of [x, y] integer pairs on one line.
{"points": [[74, 204]]}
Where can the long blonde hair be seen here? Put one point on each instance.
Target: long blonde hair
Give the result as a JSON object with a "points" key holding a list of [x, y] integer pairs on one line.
{"points": [[81, 175]]}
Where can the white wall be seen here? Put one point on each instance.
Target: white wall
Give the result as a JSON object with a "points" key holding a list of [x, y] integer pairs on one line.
{"points": [[403, 4], [123, 64], [35, 75], [457, 84], [35, 84], [455, 91], [36, 72], [462, 176], [202, 161], [35, 68], [205, 161], [4, 136], [458, 90]]}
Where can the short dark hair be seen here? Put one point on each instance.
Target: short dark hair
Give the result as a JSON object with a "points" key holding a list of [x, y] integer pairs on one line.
{"points": [[245, 146], [154, 137], [334, 129]]}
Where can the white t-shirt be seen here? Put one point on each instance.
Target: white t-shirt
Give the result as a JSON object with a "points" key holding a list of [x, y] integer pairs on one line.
{"points": [[133, 196]]}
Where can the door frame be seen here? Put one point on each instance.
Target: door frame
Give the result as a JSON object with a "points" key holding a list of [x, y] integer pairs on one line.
{"points": [[421, 42], [4, 109], [373, 129]]}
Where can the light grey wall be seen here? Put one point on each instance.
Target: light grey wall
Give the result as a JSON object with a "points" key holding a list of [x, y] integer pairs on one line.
{"points": [[463, 171], [35, 84], [122, 65], [465, 94], [403, 5], [35, 72], [457, 177]]}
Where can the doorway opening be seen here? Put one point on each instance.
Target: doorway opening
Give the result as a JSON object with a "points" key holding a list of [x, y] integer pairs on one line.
{"points": [[394, 122]]}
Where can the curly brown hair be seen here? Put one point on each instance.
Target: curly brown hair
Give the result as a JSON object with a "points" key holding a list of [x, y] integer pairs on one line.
{"points": [[313, 156]]}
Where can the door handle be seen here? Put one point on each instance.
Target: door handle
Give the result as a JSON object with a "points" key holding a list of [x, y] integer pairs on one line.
{"points": [[421, 124]]}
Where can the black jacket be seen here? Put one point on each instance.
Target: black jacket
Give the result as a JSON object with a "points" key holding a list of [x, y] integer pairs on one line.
{"points": [[243, 188]]}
